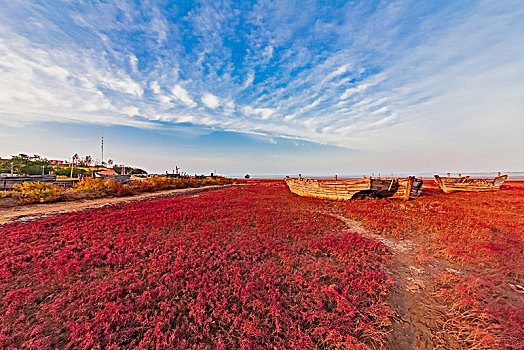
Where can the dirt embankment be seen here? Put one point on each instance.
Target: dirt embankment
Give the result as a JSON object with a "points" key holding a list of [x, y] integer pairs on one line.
{"points": [[34, 211]]}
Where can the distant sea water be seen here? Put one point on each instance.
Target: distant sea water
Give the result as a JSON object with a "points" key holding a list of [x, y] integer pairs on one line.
{"points": [[512, 175]]}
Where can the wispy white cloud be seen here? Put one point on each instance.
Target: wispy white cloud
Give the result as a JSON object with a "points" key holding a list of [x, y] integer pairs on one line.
{"points": [[264, 113], [64, 84], [133, 61], [159, 25], [210, 100], [230, 105], [339, 71], [345, 77], [362, 86], [268, 52], [155, 87], [181, 94], [164, 99], [249, 80]]}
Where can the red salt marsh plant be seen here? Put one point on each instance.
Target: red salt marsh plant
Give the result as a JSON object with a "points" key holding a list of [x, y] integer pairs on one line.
{"points": [[483, 228], [482, 232], [245, 267]]}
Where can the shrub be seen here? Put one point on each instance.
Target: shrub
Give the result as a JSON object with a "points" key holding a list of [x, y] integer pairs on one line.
{"points": [[9, 194], [163, 183], [97, 185], [209, 181], [117, 188], [160, 183], [10, 199], [140, 186], [225, 180], [73, 195], [180, 183], [39, 191]]}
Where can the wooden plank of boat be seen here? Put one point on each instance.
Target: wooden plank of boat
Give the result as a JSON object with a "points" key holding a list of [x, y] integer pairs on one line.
{"points": [[468, 184], [416, 188], [438, 181], [404, 188], [408, 188]]}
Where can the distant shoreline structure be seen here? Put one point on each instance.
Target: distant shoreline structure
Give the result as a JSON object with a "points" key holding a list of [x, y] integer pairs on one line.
{"points": [[512, 176]]}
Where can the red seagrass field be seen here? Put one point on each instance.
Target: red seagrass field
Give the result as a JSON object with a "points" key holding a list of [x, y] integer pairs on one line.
{"points": [[245, 267], [474, 244], [254, 266]]}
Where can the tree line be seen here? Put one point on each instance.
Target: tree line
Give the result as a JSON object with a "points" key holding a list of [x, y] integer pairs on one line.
{"points": [[35, 164]]}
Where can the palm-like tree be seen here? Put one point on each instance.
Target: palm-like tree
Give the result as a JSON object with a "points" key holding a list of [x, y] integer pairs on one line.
{"points": [[110, 163], [75, 158], [88, 160]]}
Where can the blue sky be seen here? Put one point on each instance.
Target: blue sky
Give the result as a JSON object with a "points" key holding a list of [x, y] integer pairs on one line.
{"points": [[266, 87]]}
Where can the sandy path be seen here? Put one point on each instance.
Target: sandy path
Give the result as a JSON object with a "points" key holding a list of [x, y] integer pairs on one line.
{"points": [[418, 318], [34, 211]]}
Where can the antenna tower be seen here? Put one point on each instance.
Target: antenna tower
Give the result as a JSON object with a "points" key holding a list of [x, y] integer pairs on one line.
{"points": [[102, 149]]}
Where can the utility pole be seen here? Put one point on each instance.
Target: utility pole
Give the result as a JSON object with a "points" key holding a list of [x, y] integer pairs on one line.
{"points": [[43, 170], [12, 170]]}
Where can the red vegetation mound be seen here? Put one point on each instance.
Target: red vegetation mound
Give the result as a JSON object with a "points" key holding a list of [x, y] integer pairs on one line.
{"points": [[251, 266]]}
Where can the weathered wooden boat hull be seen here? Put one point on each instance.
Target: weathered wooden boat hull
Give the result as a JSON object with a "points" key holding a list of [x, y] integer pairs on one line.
{"points": [[467, 184], [334, 190], [408, 188], [356, 188]]}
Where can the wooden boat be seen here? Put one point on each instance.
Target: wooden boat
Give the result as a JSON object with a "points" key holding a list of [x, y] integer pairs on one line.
{"points": [[467, 184], [406, 189]]}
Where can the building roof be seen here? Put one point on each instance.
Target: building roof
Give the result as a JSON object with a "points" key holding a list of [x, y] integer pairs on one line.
{"points": [[107, 172]]}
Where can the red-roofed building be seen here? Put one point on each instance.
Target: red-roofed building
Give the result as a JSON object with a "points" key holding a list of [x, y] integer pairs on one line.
{"points": [[56, 162]]}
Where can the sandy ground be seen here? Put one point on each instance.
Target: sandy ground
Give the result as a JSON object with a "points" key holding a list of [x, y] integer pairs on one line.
{"points": [[34, 211]]}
